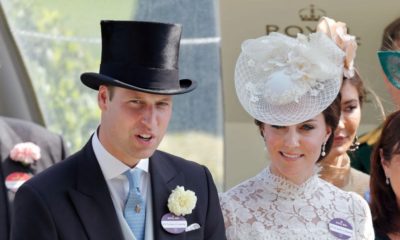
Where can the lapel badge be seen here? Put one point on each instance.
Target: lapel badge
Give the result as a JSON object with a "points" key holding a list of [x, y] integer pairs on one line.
{"points": [[16, 179], [173, 224], [340, 228]]}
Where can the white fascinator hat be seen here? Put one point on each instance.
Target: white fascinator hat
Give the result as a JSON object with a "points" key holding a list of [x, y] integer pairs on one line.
{"points": [[284, 81]]}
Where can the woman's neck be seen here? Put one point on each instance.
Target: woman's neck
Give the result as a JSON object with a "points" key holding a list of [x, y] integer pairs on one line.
{"points": [[336, 170], [295, 178]]}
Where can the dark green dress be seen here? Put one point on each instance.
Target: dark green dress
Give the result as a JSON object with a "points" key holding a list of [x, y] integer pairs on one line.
{"points": [[381, 237], [361, 158]]}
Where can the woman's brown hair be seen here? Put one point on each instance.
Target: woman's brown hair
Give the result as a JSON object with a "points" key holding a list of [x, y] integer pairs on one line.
{"points": [[358, 83], [384, 208], [391, 36]]}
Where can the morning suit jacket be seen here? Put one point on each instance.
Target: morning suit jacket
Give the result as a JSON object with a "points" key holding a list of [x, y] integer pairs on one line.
{"points": [[71, 201], [12, 132]]}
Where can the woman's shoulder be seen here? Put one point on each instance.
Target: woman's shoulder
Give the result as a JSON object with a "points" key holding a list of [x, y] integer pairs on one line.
{"points": [[359, 205], [243, 188], [359, 175], [351, 197], [358, 182], [355, 207]]}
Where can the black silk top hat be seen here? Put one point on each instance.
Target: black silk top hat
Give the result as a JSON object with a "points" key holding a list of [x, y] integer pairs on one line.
{"points": [[141, 56]]}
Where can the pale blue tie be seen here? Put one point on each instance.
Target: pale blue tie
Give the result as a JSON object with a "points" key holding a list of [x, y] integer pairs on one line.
{"points": [[135, 207]]}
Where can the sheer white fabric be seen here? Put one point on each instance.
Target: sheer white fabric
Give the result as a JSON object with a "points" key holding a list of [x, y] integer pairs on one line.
{"points": [[270, 207]]}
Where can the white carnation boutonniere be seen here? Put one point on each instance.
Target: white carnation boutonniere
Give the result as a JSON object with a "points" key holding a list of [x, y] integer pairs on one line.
{"points": [[181, 202], [26, 153]]}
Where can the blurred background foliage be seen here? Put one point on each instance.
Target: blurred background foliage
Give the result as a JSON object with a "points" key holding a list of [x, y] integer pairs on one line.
{"points": [[55, 59]]}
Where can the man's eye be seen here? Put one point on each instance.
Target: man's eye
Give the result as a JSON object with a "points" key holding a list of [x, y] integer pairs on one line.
{"points": [[163, 104], [136, 101]]}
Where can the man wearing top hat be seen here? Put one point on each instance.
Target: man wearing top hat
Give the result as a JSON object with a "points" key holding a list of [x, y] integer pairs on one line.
{"points": [[119, 186]]}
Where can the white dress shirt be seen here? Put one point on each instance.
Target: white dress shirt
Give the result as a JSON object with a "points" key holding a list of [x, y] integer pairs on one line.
{"points": [[118, 185]]}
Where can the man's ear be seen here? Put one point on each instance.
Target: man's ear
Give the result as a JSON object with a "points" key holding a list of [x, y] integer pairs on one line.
{"points": [[102, 97]]}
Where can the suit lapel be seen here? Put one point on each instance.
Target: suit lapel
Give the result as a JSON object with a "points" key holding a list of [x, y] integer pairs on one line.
{"points": [[164, 178], [4, 209], [92, 199], [8, 139]]}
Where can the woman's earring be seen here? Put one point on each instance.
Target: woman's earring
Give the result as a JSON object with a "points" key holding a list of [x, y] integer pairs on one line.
{"points": [[354, 146], [323, 153], [387, 181]]}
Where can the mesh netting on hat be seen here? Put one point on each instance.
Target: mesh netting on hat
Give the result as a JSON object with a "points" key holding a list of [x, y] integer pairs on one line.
{"points": [[251, 87]]}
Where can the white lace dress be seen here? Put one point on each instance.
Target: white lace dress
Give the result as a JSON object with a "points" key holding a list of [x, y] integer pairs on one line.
{"points": [[270, 207]]}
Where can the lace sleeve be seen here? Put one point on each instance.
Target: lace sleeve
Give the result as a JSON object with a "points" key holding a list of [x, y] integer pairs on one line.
{"points": [[362, 218], [228, 213]]}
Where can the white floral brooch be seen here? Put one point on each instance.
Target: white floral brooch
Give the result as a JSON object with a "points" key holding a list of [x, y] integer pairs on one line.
{"points": [[181, 201], [26, 153]]}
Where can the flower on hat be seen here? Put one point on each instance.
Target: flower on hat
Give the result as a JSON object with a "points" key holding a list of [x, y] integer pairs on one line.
{"points": [[181, 201], [285, 69], [283, 81], [337, 31], [26, 153]]}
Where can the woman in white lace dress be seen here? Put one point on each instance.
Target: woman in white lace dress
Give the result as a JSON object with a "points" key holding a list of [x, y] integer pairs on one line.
{"points": [[290, 87]]}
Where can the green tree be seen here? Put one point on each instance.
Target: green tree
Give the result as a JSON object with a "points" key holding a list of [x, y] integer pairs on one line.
{"points": [[55, 64]]}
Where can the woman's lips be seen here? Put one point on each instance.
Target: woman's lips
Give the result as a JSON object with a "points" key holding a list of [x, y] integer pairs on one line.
{"points": [[339, 140], [291, 156]]}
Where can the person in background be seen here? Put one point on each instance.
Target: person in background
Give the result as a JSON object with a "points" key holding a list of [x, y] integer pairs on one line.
{"points": [[360, 159], [26, 149], [290, 87], [335, 167], [119, 186], [385, 180]]}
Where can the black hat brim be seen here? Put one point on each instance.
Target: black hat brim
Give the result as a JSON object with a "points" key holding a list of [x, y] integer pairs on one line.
{"points": [[94, 80]]}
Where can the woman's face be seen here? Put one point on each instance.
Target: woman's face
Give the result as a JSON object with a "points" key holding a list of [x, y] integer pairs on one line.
{"points": [[392, 170], [350, 117], [293, 150]]}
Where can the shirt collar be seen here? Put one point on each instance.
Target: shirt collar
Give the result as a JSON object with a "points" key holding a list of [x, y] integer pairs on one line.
{"points": [[110, 165]]}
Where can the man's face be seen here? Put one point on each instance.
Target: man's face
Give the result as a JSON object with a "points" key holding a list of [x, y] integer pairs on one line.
{"points": [[133, 123]]}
